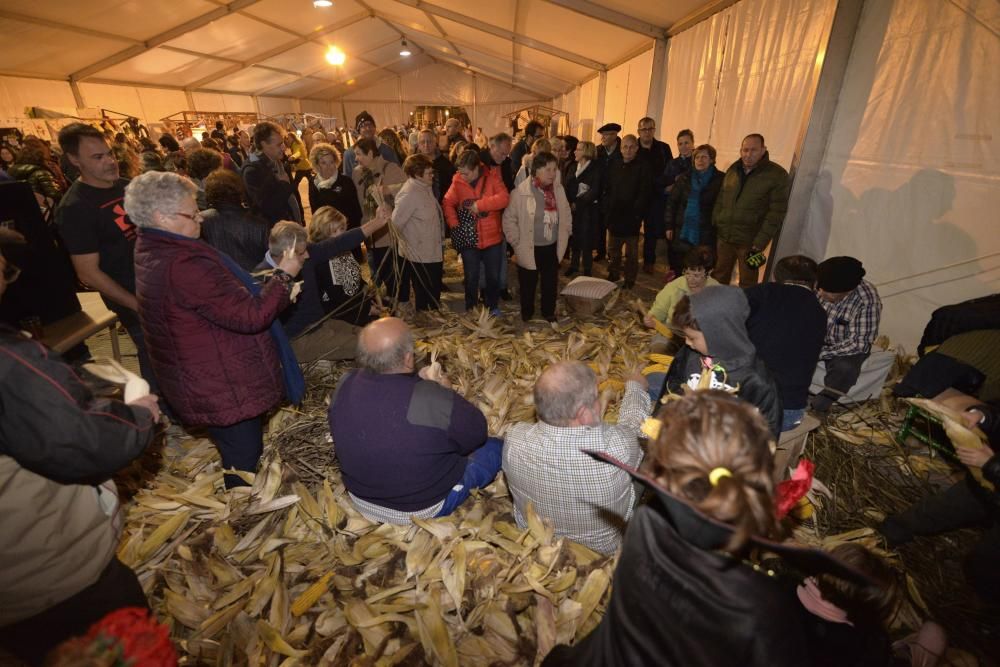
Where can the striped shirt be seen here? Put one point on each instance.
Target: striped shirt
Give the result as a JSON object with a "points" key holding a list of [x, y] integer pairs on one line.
{"points": [[852, 323], [587, 501]]}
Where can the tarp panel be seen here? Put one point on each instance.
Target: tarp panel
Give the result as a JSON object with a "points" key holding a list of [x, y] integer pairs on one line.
{"points": [[627, 92], [489, 91], [123, 99], [910, 182], [386, 90], [232, 36], [38, 50], [136, 19], [158, 103], [585, 127], [442, 83], [272, 106], [164, 66], [222, 102]]}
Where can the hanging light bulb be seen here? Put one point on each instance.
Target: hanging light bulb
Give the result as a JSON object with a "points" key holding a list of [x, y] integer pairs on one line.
{"points": [[322, 4], [404, 49], [335, 56]]}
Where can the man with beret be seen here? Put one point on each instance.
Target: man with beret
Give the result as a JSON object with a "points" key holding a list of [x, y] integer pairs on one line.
{"points": [[748, 211], [853, 309], [608, 153], [627, 190], [365, 125]]}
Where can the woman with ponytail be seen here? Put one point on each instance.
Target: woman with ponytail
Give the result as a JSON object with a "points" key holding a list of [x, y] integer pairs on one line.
{"points": [[689, 588]]}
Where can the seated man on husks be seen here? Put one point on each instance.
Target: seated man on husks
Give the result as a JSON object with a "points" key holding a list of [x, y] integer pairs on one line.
{"points": [[408, 445], [588, 501]]}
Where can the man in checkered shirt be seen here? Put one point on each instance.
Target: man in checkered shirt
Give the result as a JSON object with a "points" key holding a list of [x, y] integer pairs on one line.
{"points": [[587, 501], [853, 309]]}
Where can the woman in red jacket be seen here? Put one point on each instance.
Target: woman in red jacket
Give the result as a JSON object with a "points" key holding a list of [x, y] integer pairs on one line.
{"points": [[219, 354], [472, 208]]}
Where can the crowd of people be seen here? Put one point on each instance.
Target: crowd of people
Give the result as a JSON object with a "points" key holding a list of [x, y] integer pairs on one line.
{"points": [[226, 287]]}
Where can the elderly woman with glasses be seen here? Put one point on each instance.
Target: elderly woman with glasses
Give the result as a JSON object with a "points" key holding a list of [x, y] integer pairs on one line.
{"points": [[216, 347]]}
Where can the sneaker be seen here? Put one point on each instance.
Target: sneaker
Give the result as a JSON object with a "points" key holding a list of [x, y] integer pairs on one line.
{"points": [[496, 312]]}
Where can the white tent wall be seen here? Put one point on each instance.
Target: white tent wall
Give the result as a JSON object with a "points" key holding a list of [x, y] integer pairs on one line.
{"points": [[910, 181], [627, 93], [147, 104], [750, 68], [17, 94], [222, 102], [585, 122], [272, 106]]}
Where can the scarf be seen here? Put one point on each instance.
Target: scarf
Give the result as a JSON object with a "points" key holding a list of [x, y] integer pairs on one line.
{"points": [[295, 383], [812, 600], [691, 230], [549, 192], [325, 184]]}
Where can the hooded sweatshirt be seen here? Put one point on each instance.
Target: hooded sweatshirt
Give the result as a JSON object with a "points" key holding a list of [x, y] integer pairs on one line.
{"points": [[721, 312]]}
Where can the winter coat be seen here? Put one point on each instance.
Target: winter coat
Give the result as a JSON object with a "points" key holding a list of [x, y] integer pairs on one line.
{"points": [[420, 222], [519, 223], [586, 208], [391, 176], [270, 197], [341, 195], [41, 180], [491, 197], [721, 313], [58, 442], [677, 600], [677, 205], [625, 201], [236, 232], [750, 209], [207, 336]]}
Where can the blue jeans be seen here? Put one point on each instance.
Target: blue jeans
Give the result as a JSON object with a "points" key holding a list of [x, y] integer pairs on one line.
{"points": [[240, 446], [481, 468], [491, 258], [503, 270], [791, 418]]}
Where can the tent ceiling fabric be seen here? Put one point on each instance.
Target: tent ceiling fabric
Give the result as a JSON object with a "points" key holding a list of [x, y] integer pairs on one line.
{"points": [[277, 47]]}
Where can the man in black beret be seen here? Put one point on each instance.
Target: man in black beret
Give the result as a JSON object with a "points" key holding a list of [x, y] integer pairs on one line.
{"points": [[608, 153], [853, 310]]}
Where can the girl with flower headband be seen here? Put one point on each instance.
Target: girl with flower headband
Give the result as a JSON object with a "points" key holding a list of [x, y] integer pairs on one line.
{"points": [[688, 589]]}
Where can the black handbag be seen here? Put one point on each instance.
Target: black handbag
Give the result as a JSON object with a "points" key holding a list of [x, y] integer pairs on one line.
{"points": [[466, 234]]}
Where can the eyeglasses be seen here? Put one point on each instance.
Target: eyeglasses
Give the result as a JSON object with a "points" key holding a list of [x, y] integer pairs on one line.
{"points": [[194, 217]]}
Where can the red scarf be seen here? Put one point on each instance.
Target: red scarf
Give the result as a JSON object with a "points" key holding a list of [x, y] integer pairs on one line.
{"points": [[550, 195]]}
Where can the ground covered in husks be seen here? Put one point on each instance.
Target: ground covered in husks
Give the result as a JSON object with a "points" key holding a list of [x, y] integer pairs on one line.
{"points": [[287, 572]]}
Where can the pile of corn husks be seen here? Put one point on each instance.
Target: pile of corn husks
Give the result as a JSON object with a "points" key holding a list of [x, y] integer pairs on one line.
{"points": [[287, 572]]}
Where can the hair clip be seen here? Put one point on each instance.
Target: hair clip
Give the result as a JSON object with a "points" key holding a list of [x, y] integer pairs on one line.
{"points": [[717, 474]]}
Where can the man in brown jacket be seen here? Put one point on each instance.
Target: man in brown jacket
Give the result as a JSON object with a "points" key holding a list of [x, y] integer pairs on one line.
{"points": [[59, 445]]}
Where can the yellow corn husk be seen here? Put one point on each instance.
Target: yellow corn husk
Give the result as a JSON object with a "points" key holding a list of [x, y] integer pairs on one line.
{"points": [[311, 595], [656, 368], [274, 641], [651, 427], [162, 533], [612, 384], [590, 595]]}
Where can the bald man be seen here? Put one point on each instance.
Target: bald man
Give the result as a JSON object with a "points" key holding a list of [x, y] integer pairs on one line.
{"points": [[587, 501], [408, 445]]}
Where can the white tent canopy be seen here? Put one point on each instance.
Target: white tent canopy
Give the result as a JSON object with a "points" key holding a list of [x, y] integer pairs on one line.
{"points": [[884, 110]]}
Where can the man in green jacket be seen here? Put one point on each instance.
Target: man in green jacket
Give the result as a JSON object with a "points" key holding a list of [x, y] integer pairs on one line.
{"points": [[749, 211]]}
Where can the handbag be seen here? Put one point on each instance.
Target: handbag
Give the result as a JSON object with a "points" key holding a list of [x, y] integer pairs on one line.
{"points": [[466, 234]]}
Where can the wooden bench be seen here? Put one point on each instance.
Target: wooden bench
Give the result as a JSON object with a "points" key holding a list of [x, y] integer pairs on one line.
{"points": [[78, 327]]}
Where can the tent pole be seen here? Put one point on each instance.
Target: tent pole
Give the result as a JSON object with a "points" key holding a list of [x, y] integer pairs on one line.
{"points": [[602, 92], [814, 136], [77, 95], [658, 83], [190, 99]]}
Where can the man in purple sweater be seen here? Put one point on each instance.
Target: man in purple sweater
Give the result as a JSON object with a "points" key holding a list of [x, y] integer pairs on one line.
{"points": [[408, 445]]}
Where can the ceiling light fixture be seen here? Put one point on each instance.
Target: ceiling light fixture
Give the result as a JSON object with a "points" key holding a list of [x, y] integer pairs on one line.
{"points": [[404, 49], [322, 4], [335, 56]]}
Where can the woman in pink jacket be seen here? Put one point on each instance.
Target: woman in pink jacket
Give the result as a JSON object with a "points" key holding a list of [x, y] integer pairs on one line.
{"points": [[472, 208]]}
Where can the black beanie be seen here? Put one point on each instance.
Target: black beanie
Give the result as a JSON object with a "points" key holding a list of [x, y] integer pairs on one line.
{"points": [[361, 118], [839, 274]]}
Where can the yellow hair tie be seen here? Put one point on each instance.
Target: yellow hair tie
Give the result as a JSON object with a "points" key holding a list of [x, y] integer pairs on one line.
{"points": [[717, 474]]}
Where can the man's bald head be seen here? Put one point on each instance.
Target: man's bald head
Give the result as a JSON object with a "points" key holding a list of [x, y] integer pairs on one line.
{"points": [[386, 346], [562, 389]]}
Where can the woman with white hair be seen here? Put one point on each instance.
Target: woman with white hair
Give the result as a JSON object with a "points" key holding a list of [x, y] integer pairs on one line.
{"points": [[217, 350]]}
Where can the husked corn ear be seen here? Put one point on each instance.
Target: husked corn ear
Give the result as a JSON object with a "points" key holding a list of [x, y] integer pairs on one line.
{"points": [[311, 595], [655, 368], [276, 642], [664, 359]]}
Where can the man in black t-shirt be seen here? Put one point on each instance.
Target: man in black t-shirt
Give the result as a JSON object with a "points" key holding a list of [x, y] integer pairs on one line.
{"points": [[95, 230]]}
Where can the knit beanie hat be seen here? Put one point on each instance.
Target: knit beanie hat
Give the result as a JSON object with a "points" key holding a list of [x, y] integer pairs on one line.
{"points": [[839, 274], [362, 117]]}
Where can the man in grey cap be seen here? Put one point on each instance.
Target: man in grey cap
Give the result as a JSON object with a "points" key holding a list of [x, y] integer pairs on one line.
{"points": [[608, 153], [853, 310], [365, 124]]}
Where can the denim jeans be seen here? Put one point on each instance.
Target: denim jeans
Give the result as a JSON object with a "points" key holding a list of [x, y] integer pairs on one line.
{"points": [[491, 258], [791, 418], [240, 446], [503, 270], [481, 468]]}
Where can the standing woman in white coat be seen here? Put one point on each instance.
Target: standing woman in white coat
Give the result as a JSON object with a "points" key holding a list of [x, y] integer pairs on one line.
{"points": [[537, 224], [420, 222]]}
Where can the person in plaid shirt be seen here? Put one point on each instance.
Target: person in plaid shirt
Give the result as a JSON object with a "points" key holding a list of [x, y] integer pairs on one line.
{"points": [[853, 309], [586, 500]]}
